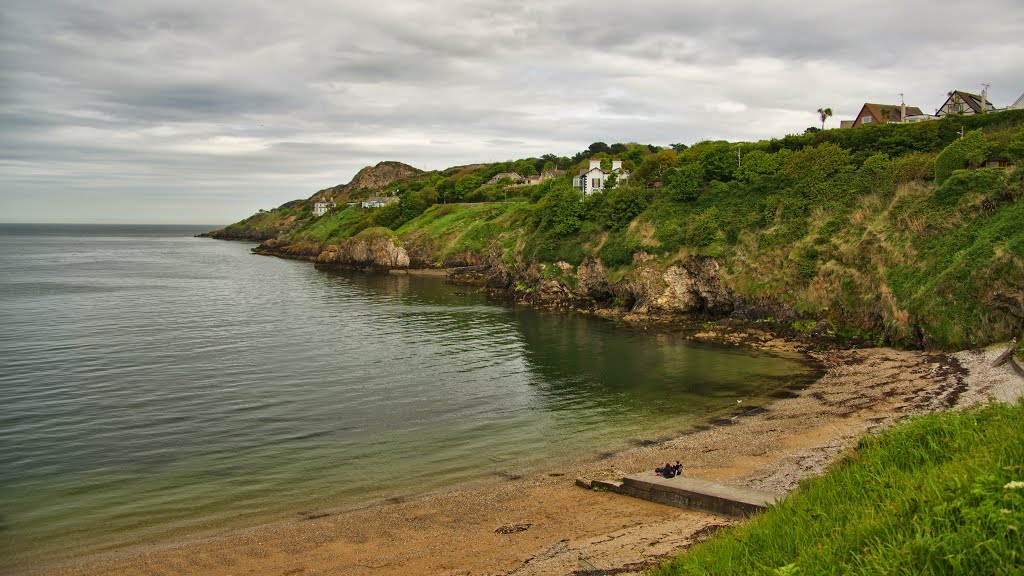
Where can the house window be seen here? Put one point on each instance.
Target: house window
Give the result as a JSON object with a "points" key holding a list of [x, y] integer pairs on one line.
{"points": [[596, 183], [865, 120]]}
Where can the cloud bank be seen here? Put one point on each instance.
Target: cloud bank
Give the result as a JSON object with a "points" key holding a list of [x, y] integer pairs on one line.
{"points": [[153, 111]]}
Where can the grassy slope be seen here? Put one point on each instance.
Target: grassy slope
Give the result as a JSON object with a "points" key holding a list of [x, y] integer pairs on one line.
{"points": [[940, 494]]}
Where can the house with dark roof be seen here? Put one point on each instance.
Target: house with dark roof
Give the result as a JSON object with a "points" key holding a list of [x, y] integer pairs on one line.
{"points": [[514, 177], [546, 175], [871, 114], [960, 102]]}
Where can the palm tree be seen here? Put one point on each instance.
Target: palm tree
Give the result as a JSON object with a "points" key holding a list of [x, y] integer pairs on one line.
{"points": [[824, 113]]}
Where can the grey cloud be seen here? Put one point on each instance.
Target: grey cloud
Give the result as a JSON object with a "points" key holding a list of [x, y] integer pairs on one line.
{"points": [[246, 105]]}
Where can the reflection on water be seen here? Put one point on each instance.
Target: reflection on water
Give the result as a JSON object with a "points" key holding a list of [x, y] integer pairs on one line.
{"points": [[153, 384]]}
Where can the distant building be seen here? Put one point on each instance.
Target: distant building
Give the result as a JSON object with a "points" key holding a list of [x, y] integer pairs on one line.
{"points": [[321, 208], [960, 102], [513, 176], [871, 114], [593, 179], [546, 175], [379, 201], [994, 161]]}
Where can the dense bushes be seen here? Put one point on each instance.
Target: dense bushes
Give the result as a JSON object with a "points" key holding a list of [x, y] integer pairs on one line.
{"points": [[973, 147]]}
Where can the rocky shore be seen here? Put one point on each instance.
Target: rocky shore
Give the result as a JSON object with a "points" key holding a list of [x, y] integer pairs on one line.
{"points": [[684, 292]]}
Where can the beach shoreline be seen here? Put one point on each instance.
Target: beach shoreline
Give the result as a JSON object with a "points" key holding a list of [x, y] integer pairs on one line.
{"points": [[544, 524]]}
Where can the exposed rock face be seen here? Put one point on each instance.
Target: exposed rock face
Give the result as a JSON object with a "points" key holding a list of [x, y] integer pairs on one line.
{"points": [[369, 178], [376, 252], [592, 280], [384, 173], [694, 286]]}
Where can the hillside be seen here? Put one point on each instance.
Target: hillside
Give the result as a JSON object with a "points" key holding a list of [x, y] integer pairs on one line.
{"points": [[888, 233], [294, 215]]}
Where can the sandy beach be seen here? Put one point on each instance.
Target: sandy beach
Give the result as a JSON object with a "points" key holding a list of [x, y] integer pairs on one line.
{"points": [[544, 524]]}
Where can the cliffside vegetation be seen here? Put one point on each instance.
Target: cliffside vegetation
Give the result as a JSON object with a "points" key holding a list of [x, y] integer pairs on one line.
{"points": [[940, 494], [896, 233]]}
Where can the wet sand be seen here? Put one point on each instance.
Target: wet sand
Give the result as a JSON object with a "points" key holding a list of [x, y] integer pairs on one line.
{"points": [[544, 524]]}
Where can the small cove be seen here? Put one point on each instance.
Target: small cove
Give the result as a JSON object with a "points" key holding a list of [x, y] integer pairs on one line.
{"points": [[154, 385]]}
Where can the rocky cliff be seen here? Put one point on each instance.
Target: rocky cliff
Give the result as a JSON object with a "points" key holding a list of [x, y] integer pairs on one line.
{"points": [[369, 178]]}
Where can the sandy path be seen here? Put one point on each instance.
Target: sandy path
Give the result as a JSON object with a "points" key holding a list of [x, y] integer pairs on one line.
{"points": [[554, 527]]}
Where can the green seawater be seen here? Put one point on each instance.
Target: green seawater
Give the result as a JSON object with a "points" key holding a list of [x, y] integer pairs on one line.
{"points": [[155, 386]]}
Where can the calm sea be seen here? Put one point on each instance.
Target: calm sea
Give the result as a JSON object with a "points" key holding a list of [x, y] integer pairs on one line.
{"points": [[154, 385]]}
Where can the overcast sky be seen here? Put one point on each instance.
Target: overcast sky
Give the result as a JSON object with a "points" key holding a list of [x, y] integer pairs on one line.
{"points": [[203, 112]]}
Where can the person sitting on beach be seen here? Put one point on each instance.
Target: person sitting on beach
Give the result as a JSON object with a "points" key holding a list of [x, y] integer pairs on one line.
{"points": [[677, 469], [667, 470]]}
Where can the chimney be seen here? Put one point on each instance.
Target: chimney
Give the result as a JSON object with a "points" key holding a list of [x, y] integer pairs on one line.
{"points": [[595, 164], [616, 165], [984, 98]]}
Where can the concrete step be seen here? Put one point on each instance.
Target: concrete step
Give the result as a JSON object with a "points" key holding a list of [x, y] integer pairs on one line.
{"points": [[697, 494]]}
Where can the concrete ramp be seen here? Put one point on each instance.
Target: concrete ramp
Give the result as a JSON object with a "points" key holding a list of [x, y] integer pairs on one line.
{"points": [[693, 494]]}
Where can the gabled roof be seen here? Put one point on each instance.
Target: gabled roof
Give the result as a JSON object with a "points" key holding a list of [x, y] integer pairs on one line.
{"points": [[888, 112], [510, 175], [972, 100], [1019, 104]]}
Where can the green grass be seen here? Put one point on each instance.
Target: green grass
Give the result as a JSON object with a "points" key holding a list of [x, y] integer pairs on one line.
{"points": [[338, 224], [939, 494]]}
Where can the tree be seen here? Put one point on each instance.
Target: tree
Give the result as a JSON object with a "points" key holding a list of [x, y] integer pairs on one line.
{"points": [[684, 183], [973, 147], [467, 184], [824, 113], [611, 182]]}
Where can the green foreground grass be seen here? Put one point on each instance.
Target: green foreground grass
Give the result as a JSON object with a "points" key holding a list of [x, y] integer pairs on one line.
{"points": [[939, 494]]}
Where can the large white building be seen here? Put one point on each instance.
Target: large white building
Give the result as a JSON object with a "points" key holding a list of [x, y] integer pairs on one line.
{"points": [[593, 179], [321, 208]]}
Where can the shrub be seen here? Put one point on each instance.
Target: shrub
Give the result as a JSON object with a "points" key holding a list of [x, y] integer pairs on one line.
{"points": [[703, 229], [618, 250], [683, 184], [622, 205], [973, 147], [560, 212]]}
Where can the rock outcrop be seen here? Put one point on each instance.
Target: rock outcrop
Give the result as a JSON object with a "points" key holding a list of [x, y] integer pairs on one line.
{"points": [[369, 178], [371, 252]]}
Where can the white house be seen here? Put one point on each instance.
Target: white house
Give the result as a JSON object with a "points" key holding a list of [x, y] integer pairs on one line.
{"points": [[321, 208], [1018, 105], [379, 201], [593, 179]]}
